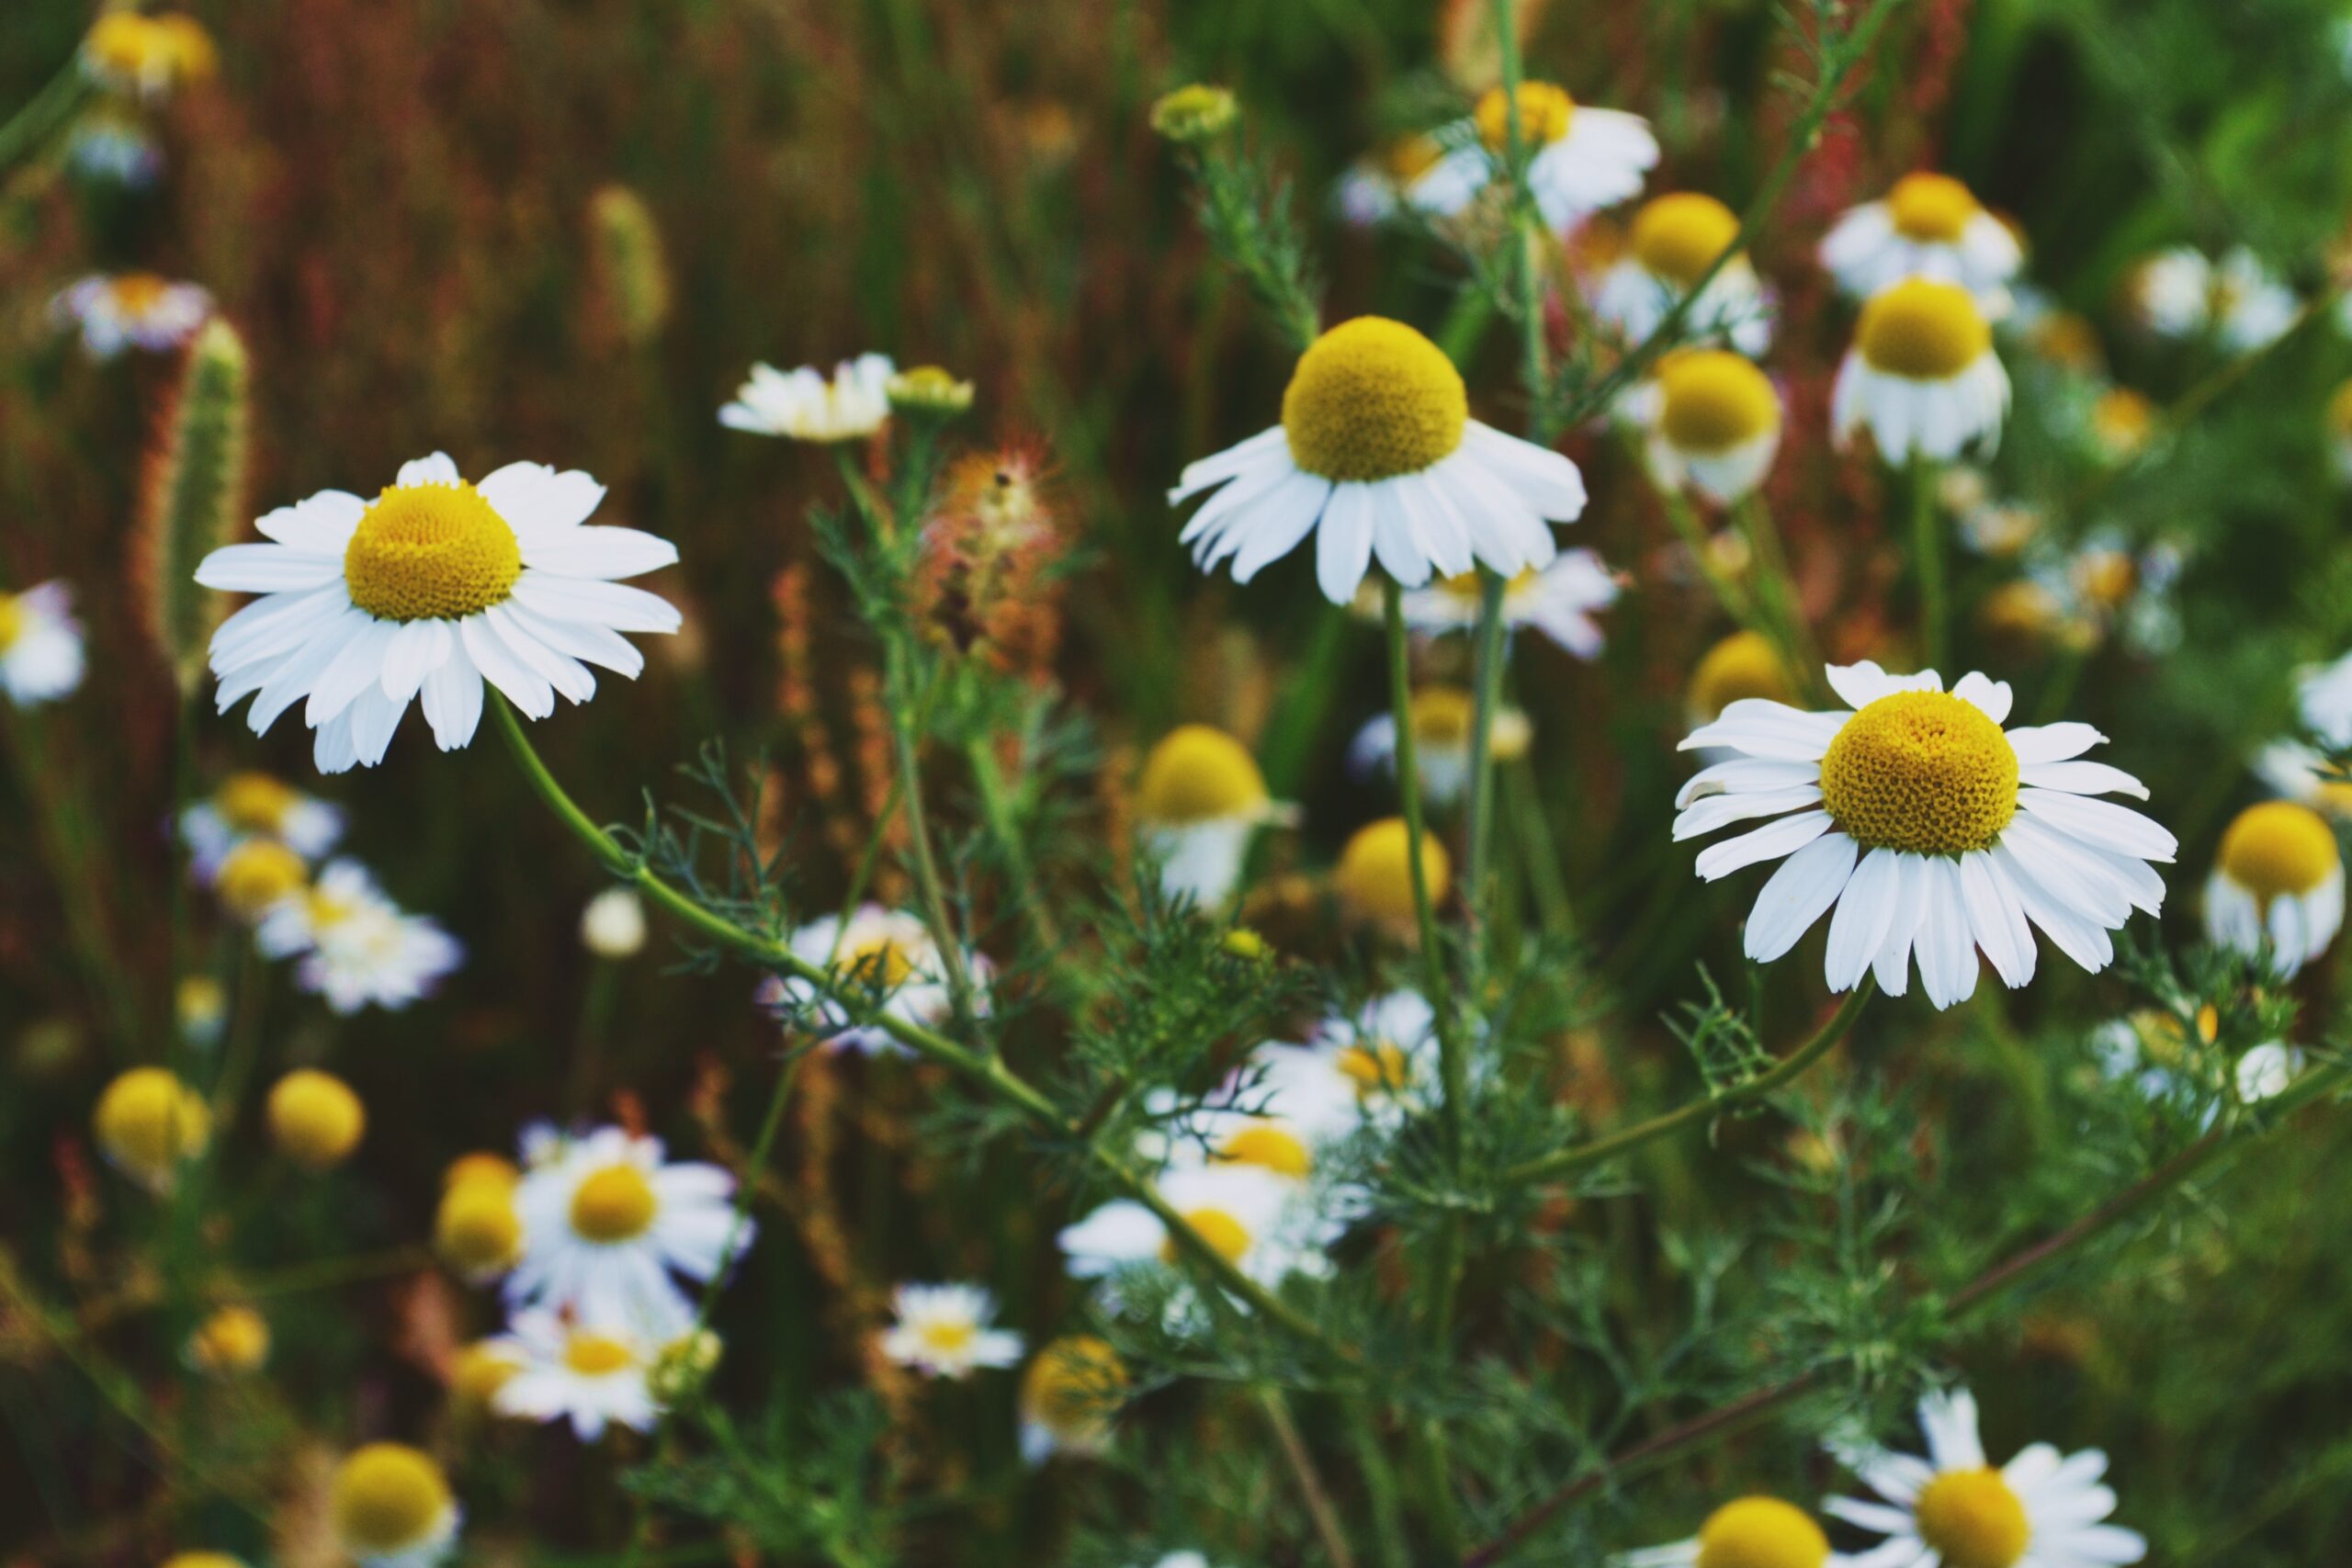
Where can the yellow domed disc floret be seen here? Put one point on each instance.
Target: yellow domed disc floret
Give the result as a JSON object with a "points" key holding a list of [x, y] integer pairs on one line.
{"points": [[389, 1498], [1074, 1386], [1444, 716], [256, 874], [1227, 1236], [2279, 850], [1372, 398], [252, 802], [147, 1121], [1922, 329], [476, 1229], [1198, 773], [1924, 772], [1761, 1532], [614, 1204], [232, 1339], [1712, 400], [1931, 209], [1544, 112], [315, 1119], [879, 961], [1742, 665], [1381, 1067], [1268, 1147], [597, 1355], [1972, 1519], [479, 1371], [1374, 874], [431, 552], [1678, 237]]}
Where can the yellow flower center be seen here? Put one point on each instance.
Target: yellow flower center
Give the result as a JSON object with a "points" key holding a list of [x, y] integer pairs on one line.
{"points": [[1679, 237], [316, 1117], [1742, 665], [476, 1228], [137, 293], [2122, 419], [2105, 577], [1469, 588], [388, 1497], [481, 1166], [253, 803], [1074, 1385], [1227, 1236], [1408, 158], [202, 1560], [233, 1339], [1972, 1519], [2279, 849], [256, 874], [1932, 208], [879, 961], [1544, 111], [480, 1370], [1381, 1067], [1198, 773], [12, 621], [614, 1204], [949, 1336], [1372, 398], [1922, 329], [431, 552], [147, 1121], [1270, 1147], [597, 1355], [1375, 876], [1444, 716], [1924, 771], [1761, 1532], [2066, 340], [2339, 421], [1712, 400]]}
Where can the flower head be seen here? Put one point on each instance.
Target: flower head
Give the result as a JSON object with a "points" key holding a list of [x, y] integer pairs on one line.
{"points": [[129, 51], [314, 1119], [1715, 424], [1374, 877], [1070, 1392], [887, 954], [1676, 241], [40, 645], [2278, 883], [231, 1340], [1922, 375], [589, 1372], [944, 1331], [2180, 294], [607, 1222], [132, 309], [1747, 1532], [1579, 159], [929, 391], [1199, 801], [613, 925], [391, 1507], [1194, 113], [805, 406], [1929, 226], [477, 1230], [248, 806], [148, 1124], [1444, 719], [1557, 600]]}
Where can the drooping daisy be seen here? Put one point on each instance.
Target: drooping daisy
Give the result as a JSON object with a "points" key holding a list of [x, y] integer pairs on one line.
{"points": [[1256, 1218], [1070, 1394], [132, 310], [1922, 375], [1579, 159], [147, 56], [889, 956], [1927, 226], [2179, 294], [1715, 424], [1932, 830], [1747, 1532], [1373, 188], [250, 804], [391, 1507], [40, 644], [425, 592], [1198, 803], [1444, 720], [588, 1374], [2277, 882], [805, 406], [944, 1331], [2040, 1511], [1675, 240], [1557, 600], [608, 1228], [1377, 455]]}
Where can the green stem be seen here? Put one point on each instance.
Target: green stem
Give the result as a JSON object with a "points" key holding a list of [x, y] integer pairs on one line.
{"points": [[1311, 1491], [30, 128], [1480, 826], [1794, 634], [1380, 1485], [1539, 852], [996, 805], [943, 934], [1408, 788], [1928, 559]]}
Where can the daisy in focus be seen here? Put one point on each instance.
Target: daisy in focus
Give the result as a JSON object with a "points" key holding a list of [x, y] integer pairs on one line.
{"points": [[1558, 600], [421, 594], [1927, 226], [40, 644], [1579, 159], [609, 1227], [1199, 801], [1747, 1532], [2237, 301], [2278, 885], [1444, 719], [2040, 1511], [1931, 829], [250, 805], [1922, 376], [1376, 454], [1715, 424], [886, 954], [132, 309], [593, 1377], [944, 1331], [391, 1507], [1675, 240], [805, 406]]}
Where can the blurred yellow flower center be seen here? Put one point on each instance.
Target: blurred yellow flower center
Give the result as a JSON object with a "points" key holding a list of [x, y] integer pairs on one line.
{"points": [[1074, 1385], [252, 802], [1679, 237], [388, 1497], [949, 1336], [2122, 419], [1381, 1067], [1933, 208], [12, 621], [1372, 398], [1923, 331], [482, 1370], [2340, 420], [431, 552], [1271, 1147], [1924, 772], [1374, 874], [1544, 111], [1761, 1532], [1973, 1519], [614, 1204], [1227, 1236], [137, 293], [879, 961], [1444, 716], [1408, 158], [476, 1227], [256, 874], [1742, 665], [2066, 339], [596, 1355], [233, 1339], [2105, 577], [1199, 775], [1470, 587], [147, 1121], [316, 1117], [2279, 850], [481, 1166], [1712, 400]]}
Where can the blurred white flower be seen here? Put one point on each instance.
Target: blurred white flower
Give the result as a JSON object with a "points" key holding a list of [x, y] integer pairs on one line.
{"points": [[805, 406]]}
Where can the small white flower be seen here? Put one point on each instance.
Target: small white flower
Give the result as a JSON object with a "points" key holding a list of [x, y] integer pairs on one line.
{"points": [[357, 948], [805, 406], [1444, 720], [1200, 800], [1714, 423], [1258, 1220], [1373, 189], [1927, 226], [2265, 1071], [945, 1331], [613, 925], [249, 805], [132, 309], [1922, 375], [2278, 885], [1675, 240], [591, 1375], [1558, 600], [2179, 294], [1579, 159], [884, 952], [40, 644]]}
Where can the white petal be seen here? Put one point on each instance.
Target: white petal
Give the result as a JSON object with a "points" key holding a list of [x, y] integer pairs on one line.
{"points": [[417, 649], [266, 569], [2082, 778], [528, 690], [1798, 894], [452, 697], [612, 605], [1743, 774], [1769, 842], [1344, 551], [1990, 697], [2053, 742], [2101, 822], [1859, 928], [1715, 810], [437, 469], [604, 553]]}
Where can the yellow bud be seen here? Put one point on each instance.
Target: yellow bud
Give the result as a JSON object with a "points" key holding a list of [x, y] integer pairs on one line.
{"points": [[314, 1119]]}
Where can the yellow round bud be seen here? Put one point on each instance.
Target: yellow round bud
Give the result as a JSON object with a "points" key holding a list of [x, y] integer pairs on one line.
{"points": [[147, 1121], [232, 1339], [314, 1119], [1374, 877], [389, 1498]]}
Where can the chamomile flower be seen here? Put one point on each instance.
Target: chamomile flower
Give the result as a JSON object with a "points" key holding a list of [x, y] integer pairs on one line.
{"points": [[944, 1331], [477, 1230], [314, 1119], [40, 644], [2040, 1511], [2267, 1071], [1675, 240], [1929, 828], [148, 1124], [590, 1373], [1374, 877], [391, 1507], [2179, 294], [1715, 424], [1257, 1219], [2305, 774], [888, 954], [609, 1227], [132, 310], [1579, 159], [1444, 720], [2278, 883], [613, 925], [1922, 375], [256, 879], [1070, 1394], [127, 51], [1558, 600], [425, 592], [248, 806], [1366, 1068], [1377, 455], [1927, 226], [1747, 1532], [1198, 803], [231, 1341], [356, 947], [805, 406], [2121, 421], [1374, 188]]}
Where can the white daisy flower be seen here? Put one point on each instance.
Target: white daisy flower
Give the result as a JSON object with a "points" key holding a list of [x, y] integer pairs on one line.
{"points": [[115, 146], [2178, 293], [425, 592], [1377, 454], [2323, 697], [1557, 600], [132, 310], [1922, 375], [1931, 829], [608, 1229], [1258, 1220], [1444, 718], [2040, 1511], [592, 1376], [1747, 1532], [2278, 883], [250, 804], [1713, 421], [1927, 226], [40, 644], [1070, 1394], [1198, 803], [2266, 1070], [1373, 190], [357, 948], [1675, 240], [805, 406], [886, 952], [1579, 159], [944, 1331], [2305, 774], [1369, 1067], [391, 1507]]}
